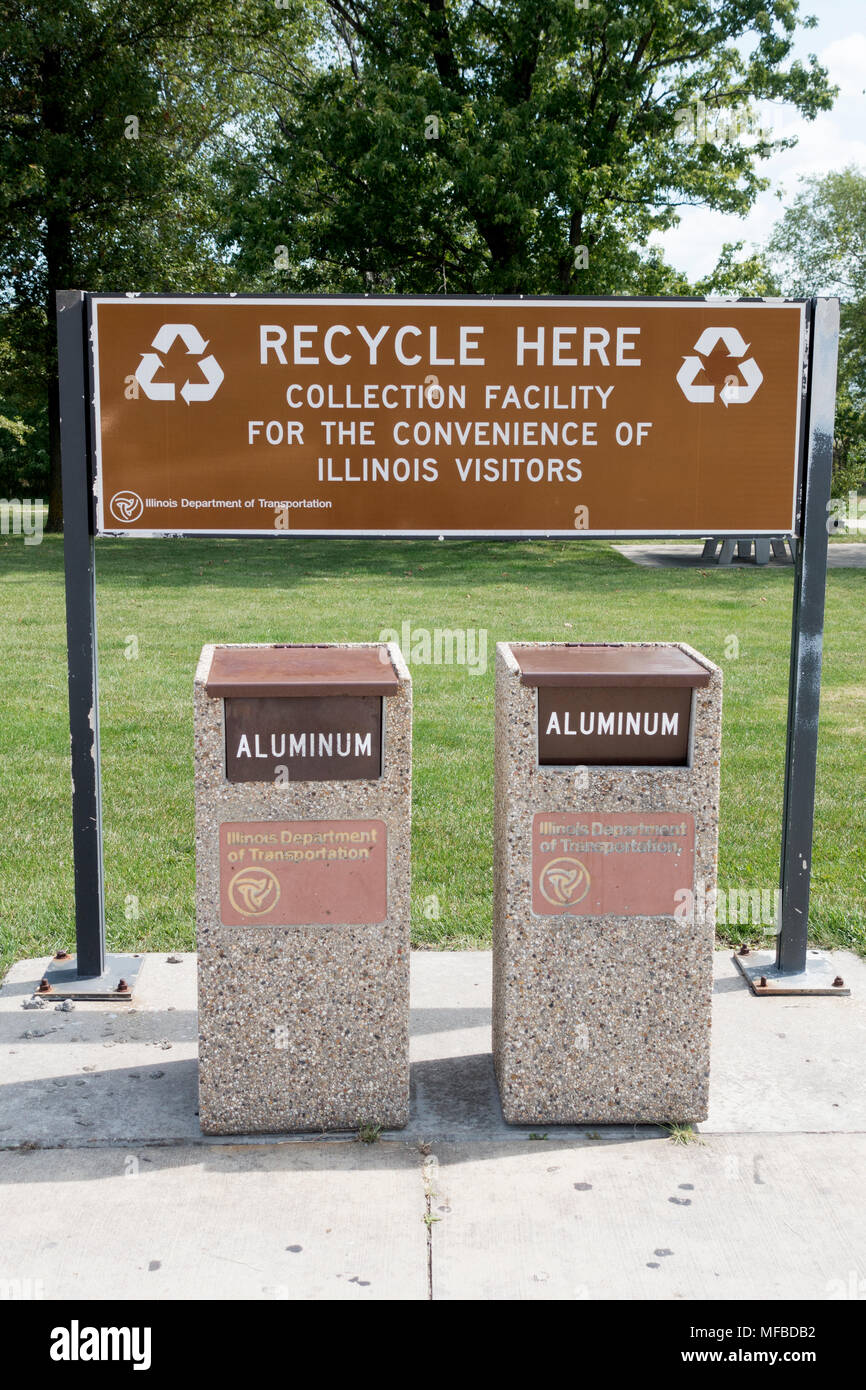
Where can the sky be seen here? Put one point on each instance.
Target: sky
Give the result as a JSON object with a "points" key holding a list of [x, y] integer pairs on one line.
{"points": [[833, 140]]}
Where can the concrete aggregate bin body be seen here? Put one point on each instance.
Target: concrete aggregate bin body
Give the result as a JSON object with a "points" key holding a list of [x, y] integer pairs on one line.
{"points": [[606, 831], [303, 815]]}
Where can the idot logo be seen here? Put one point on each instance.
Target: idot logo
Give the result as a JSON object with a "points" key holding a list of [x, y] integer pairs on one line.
{"points": [[564, 882], [126, 506], [253, 892], [740, 385], [195, 344]]}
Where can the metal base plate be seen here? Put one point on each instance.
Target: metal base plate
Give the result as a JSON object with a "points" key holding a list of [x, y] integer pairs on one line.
{"points": [[62, 976], [817, 978]]}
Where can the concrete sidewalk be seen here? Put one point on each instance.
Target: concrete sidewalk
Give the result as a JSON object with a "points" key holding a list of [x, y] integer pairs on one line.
{"points": [[840, 555], [108, 1188]]}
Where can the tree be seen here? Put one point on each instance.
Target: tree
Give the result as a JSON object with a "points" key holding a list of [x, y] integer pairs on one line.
{"points": [[749, 276], [526, 146], [107, 115], [819, 246]]}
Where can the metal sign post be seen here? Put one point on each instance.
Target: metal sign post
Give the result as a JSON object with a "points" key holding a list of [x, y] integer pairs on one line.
{"points": [[793, 968], [114, 352], [91, 973]]}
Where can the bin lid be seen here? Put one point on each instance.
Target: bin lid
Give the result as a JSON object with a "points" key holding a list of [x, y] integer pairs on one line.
{"points": [[258, 672], [585, 663]]}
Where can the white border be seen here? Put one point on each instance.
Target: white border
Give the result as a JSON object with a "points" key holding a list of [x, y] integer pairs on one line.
{"points": [[486, 301]]}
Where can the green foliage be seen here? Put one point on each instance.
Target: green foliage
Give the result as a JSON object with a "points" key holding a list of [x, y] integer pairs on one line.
{"points": [[749, 277], [849, 436], [530, 146], [683, 1134], [473, 148], [369, 1134], [820, 244], [23, 428], [108, 115]]}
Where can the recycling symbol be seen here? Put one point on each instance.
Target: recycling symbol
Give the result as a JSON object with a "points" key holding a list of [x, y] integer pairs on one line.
{"points": [[734, 391], [195, 345]]}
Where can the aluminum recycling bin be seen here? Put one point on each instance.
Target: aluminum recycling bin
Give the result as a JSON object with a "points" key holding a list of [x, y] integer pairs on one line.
{"points": [[606, 832], [303, 812]]}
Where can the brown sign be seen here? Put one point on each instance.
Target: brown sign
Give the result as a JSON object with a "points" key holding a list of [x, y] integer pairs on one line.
{"points": [[303, 873], [614, 725], [433, 416], [611, 863], [307, 739]]}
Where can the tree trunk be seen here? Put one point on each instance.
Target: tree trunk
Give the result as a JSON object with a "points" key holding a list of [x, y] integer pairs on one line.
{"points": [[57, 243], [506, 272], [567, 278], [58, 266]]}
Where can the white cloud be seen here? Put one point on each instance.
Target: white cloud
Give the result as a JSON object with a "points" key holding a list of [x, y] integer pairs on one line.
{"points": [[846, 59]]}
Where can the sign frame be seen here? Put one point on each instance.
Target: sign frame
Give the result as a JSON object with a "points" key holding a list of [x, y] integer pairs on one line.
{"points": [[94, 300], [809, 524]]}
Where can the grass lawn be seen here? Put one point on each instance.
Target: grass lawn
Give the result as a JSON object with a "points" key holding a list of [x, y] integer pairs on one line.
{"points": [[173, 596]]}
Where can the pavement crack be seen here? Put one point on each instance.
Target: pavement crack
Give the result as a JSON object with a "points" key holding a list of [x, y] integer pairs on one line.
{"points": [[429, 1172]]}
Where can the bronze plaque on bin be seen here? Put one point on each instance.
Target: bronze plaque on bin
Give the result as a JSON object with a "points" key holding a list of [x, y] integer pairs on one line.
{"points": [[612, 863], [614, 725], [331, 738], [303, 873]]}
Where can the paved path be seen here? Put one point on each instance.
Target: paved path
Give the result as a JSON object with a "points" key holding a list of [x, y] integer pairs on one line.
{"points": [[108, 1189], [844, 555]]}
